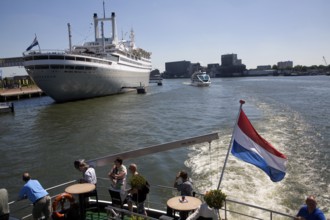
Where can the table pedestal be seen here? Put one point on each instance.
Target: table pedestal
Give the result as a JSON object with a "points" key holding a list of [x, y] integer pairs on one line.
{"points": [[81, 189]]}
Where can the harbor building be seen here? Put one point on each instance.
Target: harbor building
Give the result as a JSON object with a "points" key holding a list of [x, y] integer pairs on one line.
{"points": [[231, 66], [284, 65], [213, 69], [264, 70], [177, 69]]}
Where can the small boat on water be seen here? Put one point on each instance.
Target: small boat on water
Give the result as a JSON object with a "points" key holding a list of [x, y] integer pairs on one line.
{"points": [[101, 67], [200, 79], [156, 79], [6, 107]]}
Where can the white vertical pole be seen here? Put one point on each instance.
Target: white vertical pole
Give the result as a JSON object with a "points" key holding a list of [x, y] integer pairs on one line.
{"points": [[230, 144]]}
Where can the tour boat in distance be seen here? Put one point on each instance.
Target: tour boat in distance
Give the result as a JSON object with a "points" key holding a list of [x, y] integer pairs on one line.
{"points": [[101, 67], [200, 79]]}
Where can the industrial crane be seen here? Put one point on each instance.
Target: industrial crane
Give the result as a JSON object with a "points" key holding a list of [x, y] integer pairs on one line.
{"points": [[325, 61]]}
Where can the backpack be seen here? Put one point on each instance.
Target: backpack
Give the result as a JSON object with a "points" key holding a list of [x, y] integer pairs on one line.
{"points": [[147, 188]]}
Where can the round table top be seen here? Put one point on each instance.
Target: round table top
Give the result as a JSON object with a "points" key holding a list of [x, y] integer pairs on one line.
{"points": [[80, 188], [190, 203]]}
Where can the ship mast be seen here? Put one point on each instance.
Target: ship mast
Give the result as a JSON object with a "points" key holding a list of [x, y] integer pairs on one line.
{"points": [[69, 32], [132, 38]]}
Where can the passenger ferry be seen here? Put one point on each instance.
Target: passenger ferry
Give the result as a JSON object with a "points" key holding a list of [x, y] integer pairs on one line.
{"points": [[200, 79]]}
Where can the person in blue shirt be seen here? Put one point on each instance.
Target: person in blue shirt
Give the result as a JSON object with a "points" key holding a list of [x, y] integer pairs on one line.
{"points": [[40, 198], [310, 211]]}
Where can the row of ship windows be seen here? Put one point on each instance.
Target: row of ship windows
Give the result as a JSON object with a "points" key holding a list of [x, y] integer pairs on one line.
{"points": [[133, 62], [58, 57], [68, 67]]}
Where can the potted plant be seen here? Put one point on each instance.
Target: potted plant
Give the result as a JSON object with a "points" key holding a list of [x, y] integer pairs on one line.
{"points": [[215, 198]]}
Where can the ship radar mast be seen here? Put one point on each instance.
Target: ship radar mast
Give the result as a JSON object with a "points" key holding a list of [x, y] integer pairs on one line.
{"points": [[132, 40]]}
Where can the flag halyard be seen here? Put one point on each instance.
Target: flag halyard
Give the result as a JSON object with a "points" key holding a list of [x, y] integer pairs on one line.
{"points": [[250, 147]]}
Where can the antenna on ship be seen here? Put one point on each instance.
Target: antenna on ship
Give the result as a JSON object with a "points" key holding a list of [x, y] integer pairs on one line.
{"points": [[103, 10], [132, 39], [103, 39], [69, 32]]}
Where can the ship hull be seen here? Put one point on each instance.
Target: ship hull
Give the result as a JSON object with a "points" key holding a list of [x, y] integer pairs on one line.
{"points": [[67, 80]]}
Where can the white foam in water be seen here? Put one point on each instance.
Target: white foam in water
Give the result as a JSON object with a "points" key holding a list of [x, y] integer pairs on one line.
{"points": [[247, 183]]}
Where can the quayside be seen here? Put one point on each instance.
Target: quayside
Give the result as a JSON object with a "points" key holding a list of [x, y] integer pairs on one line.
{"points": [[155, 206]]}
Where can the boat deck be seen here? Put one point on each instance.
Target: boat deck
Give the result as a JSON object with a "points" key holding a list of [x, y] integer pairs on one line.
{"points": [[155, 209]]}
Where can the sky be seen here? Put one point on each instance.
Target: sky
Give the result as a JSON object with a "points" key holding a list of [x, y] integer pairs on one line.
{"points": [[260, 32]]}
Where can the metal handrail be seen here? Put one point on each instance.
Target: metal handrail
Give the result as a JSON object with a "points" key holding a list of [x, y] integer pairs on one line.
{"points": [[271, 212], [102, 190]]}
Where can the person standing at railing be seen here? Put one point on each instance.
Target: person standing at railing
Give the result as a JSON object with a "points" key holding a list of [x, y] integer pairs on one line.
{"points": [[117, 177], [118, 174], [310, 211], [4, 206], [89, 174], [40, 198], [138, 192]]}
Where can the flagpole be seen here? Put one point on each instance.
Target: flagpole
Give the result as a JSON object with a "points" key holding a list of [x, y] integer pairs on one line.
{"points": [[230, 144]]}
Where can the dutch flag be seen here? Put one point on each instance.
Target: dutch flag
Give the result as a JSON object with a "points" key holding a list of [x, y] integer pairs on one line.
{"points": [[34, 43], [250, 147]]}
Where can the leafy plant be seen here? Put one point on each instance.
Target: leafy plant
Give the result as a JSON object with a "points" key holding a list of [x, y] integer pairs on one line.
{"points": [[215, 198]]}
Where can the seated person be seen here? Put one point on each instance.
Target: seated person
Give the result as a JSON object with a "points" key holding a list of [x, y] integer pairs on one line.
{"points": [[205, 211], [183, 184]]}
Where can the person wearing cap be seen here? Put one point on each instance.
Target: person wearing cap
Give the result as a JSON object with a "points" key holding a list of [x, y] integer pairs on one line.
{"points": [[310, 211], [89, 174], [40, 198]]}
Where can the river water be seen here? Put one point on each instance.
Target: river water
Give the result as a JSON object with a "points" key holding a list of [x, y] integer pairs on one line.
{"points": [[292, 113]]}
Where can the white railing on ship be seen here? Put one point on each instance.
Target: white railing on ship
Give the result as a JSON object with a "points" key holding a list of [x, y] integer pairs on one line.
{"points": [[45, 51], [226, 212], [271, 212], [58, 52]]}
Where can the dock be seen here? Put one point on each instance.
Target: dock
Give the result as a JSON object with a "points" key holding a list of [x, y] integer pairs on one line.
{"points": [[20, 93]]}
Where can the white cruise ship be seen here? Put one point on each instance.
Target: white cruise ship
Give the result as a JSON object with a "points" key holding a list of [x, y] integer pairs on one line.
{"points": [[102, 67]]}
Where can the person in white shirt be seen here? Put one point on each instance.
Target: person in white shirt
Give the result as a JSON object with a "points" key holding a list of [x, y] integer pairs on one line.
{"points": [[89, 174], [204, 212]]}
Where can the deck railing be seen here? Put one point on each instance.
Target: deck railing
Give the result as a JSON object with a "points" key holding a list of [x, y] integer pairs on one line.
{"points": [[157, 199]]}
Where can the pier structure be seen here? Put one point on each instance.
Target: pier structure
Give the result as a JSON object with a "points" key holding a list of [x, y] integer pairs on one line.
{"points": [[20, 93]]}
